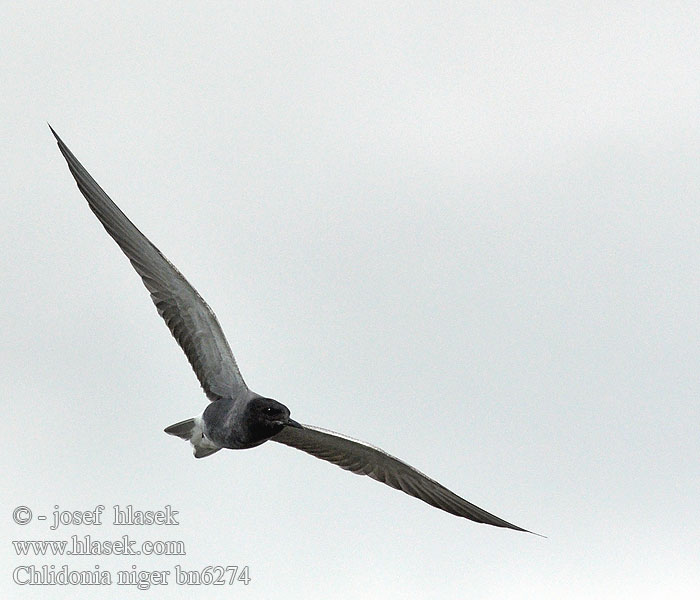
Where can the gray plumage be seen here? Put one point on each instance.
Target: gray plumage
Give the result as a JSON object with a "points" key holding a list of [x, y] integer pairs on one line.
{"points": [[236, 416]]}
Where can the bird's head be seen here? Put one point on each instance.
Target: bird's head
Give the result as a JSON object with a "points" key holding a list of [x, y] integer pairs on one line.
{"points": [[267, 417]]}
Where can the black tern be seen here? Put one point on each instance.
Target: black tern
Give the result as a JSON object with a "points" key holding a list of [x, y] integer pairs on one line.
{"points": [[237, 417]]}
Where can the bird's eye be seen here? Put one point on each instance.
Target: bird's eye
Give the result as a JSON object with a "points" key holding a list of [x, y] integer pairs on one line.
{"points": [[269, 410]]}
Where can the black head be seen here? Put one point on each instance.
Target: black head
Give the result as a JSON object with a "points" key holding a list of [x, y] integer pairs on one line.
{"points": [[266, 417]]}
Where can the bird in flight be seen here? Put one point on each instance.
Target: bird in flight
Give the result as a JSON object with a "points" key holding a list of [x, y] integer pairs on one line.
{"points": [[237, 417]]}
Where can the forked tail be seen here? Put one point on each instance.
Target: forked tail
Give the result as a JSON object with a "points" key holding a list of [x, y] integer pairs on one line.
{"points": [[191, 430]]}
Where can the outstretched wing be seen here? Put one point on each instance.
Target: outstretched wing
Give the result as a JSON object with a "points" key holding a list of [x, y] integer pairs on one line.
{"points": [[364, 459], [189, 318]]}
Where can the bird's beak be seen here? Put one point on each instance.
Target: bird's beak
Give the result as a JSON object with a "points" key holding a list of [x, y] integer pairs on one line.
{"points": [[293, 423]]}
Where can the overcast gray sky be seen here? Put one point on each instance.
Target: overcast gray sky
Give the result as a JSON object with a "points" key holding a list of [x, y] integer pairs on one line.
{"points": [[467, 233]]}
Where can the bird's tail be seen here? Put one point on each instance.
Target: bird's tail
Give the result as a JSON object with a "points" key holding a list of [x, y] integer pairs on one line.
{"points": [[191, 430]]}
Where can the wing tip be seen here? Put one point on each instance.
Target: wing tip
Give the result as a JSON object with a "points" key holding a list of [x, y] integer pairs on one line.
{"points": [[54, 132], [516, 528], [535, 533]]}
